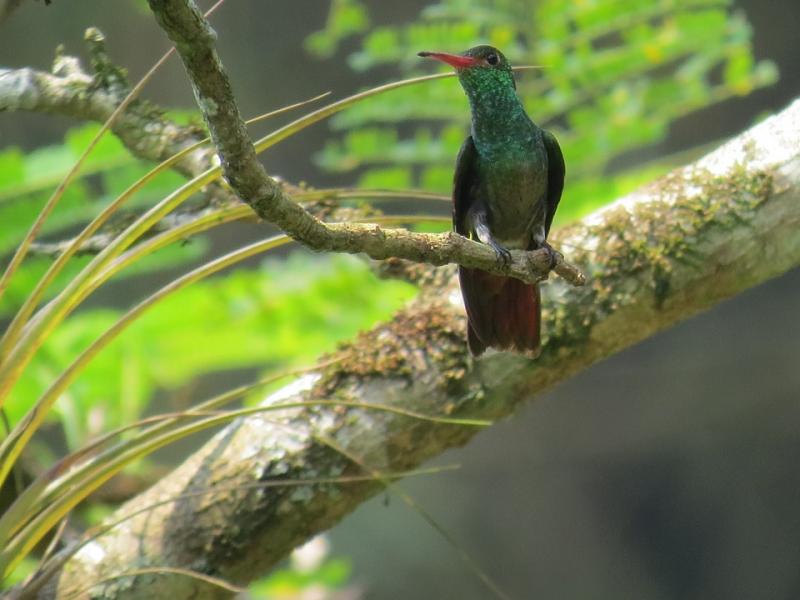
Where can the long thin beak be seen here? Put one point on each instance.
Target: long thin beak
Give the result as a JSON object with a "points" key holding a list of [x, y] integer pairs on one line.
{"points": [[454, 60]]}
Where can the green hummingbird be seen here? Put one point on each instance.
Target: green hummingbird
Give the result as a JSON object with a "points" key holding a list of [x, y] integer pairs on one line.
{"points": [[507, 185]]}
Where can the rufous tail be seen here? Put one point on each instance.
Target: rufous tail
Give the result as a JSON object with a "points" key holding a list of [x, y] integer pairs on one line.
{"points": [[502, 312]]}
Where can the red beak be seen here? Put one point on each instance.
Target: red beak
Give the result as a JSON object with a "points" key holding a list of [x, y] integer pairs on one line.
{"points": [[454, 60]]}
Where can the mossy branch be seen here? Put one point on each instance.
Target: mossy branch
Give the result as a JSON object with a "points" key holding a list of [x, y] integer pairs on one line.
{"points": [[194, 40], [674, 248]]}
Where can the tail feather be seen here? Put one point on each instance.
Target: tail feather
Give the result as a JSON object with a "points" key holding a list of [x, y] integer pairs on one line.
{"points": [[502, 312], [474, 343]]}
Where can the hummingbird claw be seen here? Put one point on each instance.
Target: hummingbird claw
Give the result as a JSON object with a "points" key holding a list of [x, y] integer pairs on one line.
{"points": [[503, 255], [554, 255]]}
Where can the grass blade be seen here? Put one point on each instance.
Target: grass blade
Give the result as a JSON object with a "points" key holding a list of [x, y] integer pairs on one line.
{"points": [[13, 445], [113, 460], [48, 570]]}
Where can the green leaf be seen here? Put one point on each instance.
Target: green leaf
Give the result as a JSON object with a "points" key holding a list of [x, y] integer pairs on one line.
{"points": [[12, 169], [345, 18], [107, 148], [391, 177], [331, 575]]}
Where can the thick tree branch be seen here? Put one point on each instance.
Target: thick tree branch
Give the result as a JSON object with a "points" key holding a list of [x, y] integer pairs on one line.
{"points": [[194, 40], [662, 254]]}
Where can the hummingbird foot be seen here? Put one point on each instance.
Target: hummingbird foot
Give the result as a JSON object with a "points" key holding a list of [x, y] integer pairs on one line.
{"points": [[484, 234], [554, 255], [503, 254]]}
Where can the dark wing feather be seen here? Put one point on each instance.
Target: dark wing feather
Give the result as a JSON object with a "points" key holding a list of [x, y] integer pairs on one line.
{"points": [[464, 186], [555, 177]]}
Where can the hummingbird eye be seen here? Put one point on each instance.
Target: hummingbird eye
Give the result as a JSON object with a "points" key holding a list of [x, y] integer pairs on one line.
{"points": [[492, 59]]}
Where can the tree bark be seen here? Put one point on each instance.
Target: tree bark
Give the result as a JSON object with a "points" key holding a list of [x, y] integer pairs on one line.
{"points": [[664, 253]]}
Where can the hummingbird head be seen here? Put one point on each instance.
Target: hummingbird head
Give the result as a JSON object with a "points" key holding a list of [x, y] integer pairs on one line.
{"points": [[480, 69]]}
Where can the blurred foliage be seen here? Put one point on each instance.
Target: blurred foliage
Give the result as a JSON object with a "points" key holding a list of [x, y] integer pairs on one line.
{"points": [[26, 569], [283, 314], [28, 180], [291, 583], [311, 573], [615, 74], [344, 19]]}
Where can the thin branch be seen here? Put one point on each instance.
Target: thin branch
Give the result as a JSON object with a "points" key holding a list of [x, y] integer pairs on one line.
{"points": [[98, 242], [194, 40], [321, 203], [142, 127], [70, 91]]}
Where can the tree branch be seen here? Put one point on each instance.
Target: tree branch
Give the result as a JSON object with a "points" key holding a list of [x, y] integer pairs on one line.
{"points": [[194, 39], [70, 91], [674, 248]]}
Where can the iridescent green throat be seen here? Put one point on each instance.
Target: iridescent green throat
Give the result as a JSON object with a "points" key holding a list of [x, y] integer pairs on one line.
{"points": [[498, 117]]}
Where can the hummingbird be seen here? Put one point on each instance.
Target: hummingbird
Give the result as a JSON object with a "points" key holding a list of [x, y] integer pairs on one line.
{"points": [[508, 181]]}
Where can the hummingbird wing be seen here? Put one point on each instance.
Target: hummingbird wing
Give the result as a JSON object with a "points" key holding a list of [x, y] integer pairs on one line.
{"points": [[464, 184], [555, 177]]}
